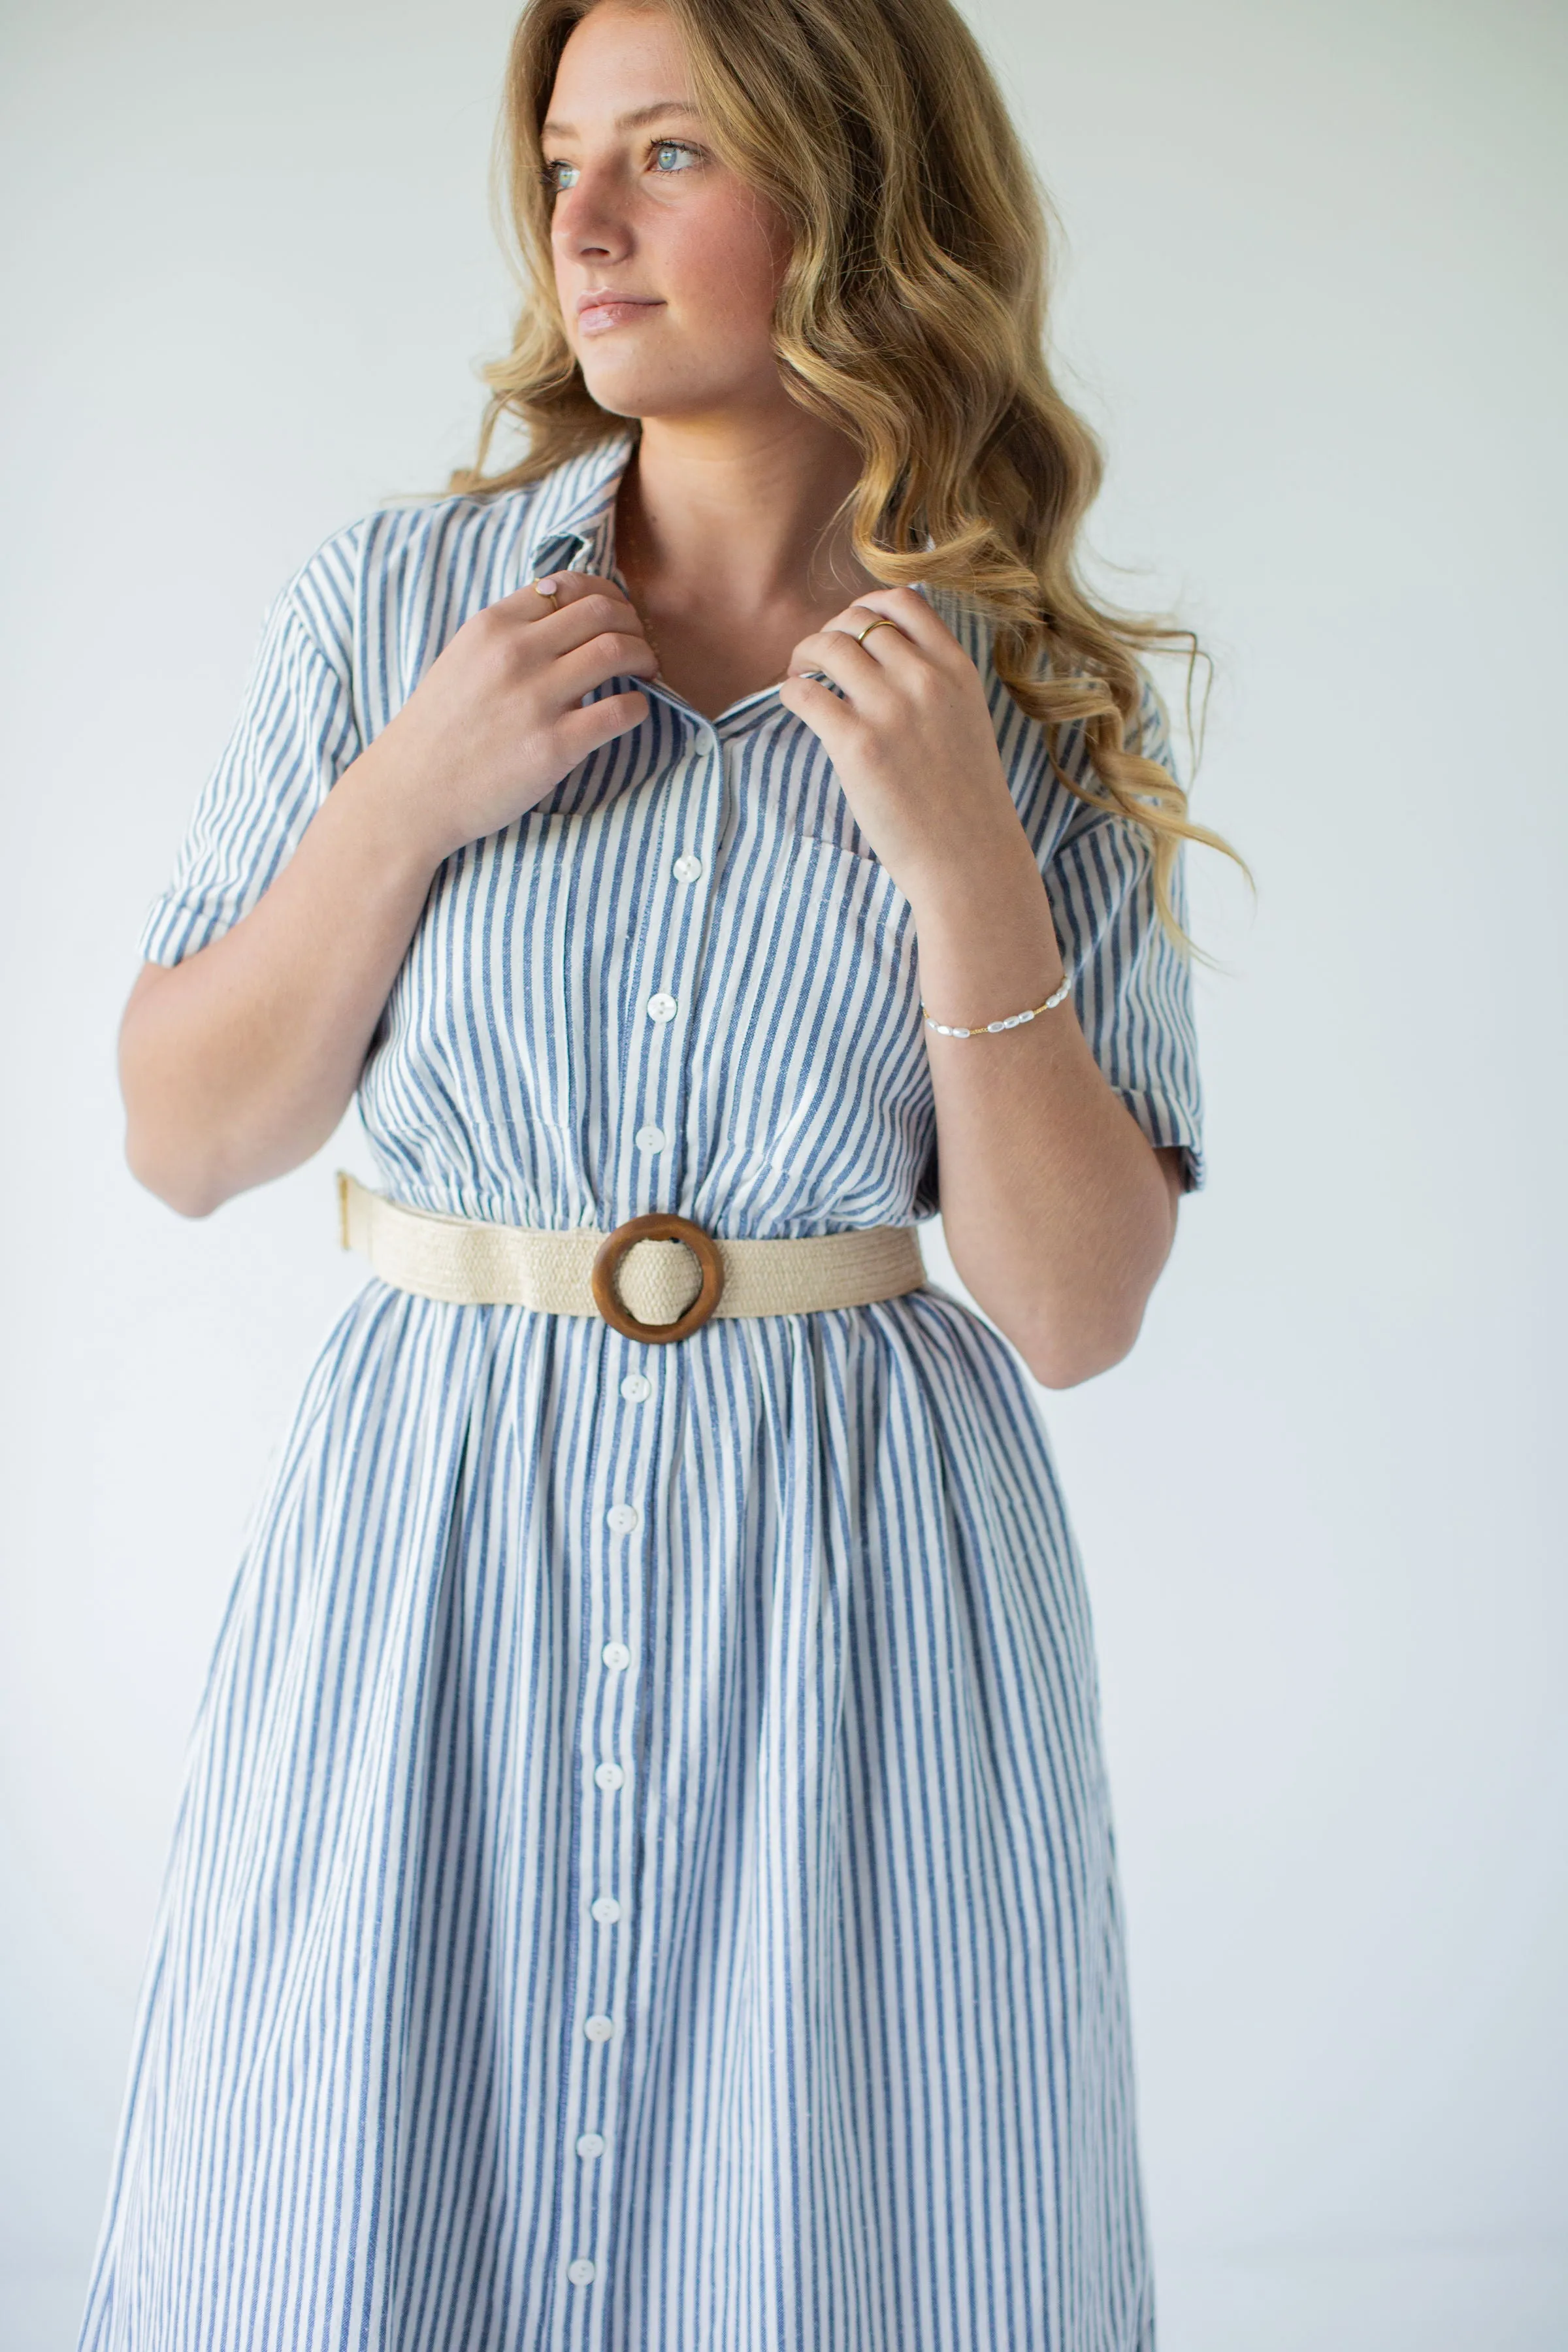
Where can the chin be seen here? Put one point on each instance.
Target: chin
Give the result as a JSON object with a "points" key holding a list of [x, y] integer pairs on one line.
{"points": [[636, 390], [614, 399], [617, 379]]}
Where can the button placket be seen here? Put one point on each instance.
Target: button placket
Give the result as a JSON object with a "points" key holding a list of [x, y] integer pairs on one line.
{"points": [[678, 880], [660, 988], [609, 1799]]}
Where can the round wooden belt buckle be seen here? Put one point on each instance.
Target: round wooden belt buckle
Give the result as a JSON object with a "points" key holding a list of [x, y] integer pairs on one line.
{"points": [[656, 1227]]}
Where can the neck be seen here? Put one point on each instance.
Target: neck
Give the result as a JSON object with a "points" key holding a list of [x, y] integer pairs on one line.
{"points": [[736, 514]]}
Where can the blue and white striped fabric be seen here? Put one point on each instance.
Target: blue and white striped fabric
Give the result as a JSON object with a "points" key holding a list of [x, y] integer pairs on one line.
{"points": [[645, 1876]]}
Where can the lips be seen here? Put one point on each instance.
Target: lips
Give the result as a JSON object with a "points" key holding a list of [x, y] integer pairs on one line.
{"points": [[604, 308]]}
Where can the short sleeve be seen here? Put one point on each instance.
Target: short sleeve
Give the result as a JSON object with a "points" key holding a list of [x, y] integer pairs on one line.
{"points": [[295, 734], [1131, 986]]}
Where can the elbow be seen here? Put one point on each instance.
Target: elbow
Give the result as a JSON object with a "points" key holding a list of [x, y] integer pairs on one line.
{"points": [[176, 1179], [1066, 1370], [1090, 1318], [179, 1143], [1060, 1358]]}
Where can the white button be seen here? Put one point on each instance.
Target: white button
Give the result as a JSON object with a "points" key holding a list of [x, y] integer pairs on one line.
{"points": [[581, 2272], [609, 1776], [622, 1517], [606, 1910], [687, 868], [636, 1387], [599, 2029], [651, 1138], [661, 1007], [616, 1656], [591, 2144]]}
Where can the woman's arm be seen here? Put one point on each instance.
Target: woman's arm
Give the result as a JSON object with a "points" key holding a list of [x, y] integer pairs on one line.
{"points": [[237, 1064], [1057, 1211]]}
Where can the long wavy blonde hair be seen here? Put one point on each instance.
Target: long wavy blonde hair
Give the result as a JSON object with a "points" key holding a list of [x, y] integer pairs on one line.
{"points": [[912, 316]]}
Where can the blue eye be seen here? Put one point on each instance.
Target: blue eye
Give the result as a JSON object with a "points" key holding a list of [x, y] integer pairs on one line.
{"points": [[669, 156]]}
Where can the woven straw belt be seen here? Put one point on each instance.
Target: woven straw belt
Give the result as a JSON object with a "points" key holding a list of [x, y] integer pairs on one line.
{"points": [[656, 1277]]}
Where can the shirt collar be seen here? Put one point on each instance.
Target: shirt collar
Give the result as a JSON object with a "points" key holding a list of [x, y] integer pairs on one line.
{"points": [[572, 525], [573, 522]]}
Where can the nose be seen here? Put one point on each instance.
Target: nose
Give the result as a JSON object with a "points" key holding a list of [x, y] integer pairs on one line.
{"points": [[587, 222]]}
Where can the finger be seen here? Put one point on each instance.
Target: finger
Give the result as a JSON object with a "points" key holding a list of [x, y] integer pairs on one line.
{"points": [[909, 614], [588, 725], [851, 665], [530, 602], [610, 652], [586, 617], [830, 716], [877, 634], [803, 688]]}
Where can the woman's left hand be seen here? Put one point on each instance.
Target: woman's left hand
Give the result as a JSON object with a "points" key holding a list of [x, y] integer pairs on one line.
{"points": [[912, 739]]}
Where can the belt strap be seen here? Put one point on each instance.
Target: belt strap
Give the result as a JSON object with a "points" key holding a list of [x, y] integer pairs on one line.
{"points": [[475, 1265]]}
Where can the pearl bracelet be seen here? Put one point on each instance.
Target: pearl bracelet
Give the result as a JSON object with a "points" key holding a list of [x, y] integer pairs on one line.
{"points": [[1014, 1020]]}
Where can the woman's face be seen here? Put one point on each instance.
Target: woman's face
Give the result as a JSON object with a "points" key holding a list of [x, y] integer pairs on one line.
{"points": [[667, 264]]}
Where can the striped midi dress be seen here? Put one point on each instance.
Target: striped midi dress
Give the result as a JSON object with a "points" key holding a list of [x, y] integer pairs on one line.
{"points": [[644, 1875]]}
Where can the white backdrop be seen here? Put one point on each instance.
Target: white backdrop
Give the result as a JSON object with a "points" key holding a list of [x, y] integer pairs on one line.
{"points": [[1308, 295]]}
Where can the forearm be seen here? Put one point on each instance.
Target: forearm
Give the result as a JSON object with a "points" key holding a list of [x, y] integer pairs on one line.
{"points": [[238, 1063], [1057, 1212]]}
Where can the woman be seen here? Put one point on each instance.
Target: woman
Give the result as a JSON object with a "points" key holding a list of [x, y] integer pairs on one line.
{"points": [[645, 1873]]}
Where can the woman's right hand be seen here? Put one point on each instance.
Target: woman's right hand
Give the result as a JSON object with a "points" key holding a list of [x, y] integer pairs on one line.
{"points": [[498, 718], [238, 1063]]}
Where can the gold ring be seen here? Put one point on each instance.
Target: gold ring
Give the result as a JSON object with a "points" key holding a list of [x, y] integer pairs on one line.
{"points": [[878, 620], [551, 595]]}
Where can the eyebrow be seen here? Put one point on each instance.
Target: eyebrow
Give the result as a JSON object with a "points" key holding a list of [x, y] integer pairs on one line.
{"points": [[632, 122]]}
